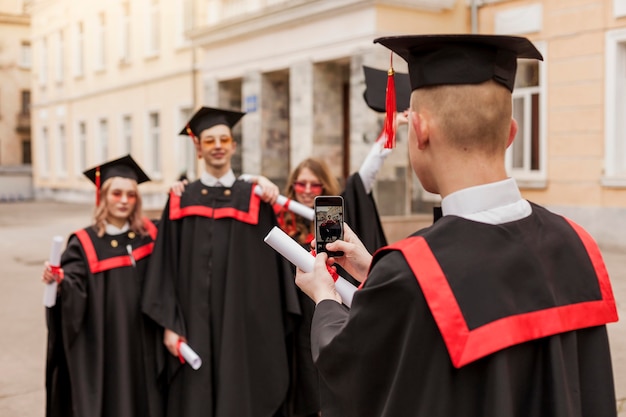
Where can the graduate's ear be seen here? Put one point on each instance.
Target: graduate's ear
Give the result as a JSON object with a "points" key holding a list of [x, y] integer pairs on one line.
{"points": [[512, 132], [420, 127], [196, 144]]}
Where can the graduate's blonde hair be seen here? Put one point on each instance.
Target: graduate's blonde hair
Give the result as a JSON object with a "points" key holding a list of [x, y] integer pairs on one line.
{"points": [[473, 116], [135, 219]]}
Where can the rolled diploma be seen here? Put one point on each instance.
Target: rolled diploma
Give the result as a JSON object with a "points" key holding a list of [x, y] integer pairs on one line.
{"points": [[297, 255], [294, 206], [50, 292], [190, 356]]}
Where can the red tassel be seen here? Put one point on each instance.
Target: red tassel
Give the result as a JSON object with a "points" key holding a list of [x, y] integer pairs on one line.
{"points": [[390, 107], [97, 186], [190, 133]]}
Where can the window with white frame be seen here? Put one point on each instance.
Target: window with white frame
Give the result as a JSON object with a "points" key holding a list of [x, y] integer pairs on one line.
{"points": [[25, 102], [81, 148], [619, 8], [127, 134], [79, 52], [186, 150], [61, 160], [125, 31], [185, 21], [60, 53], [103, 139], [154, 143], [26, 55], [153, 27], [615, 109], [101, 43], [44, 166], [526, 157], [43, 67]]}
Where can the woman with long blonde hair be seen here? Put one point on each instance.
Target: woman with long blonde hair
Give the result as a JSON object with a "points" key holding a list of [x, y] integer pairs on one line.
{"points": [[101, 348]]}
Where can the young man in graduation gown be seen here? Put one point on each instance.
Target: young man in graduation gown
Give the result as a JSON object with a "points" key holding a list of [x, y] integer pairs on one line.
{"points": [[497, 309], [216, 285], [101, 352]]}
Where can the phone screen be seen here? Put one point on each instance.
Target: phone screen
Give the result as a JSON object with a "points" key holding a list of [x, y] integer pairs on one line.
{"points": [[328, 222]]}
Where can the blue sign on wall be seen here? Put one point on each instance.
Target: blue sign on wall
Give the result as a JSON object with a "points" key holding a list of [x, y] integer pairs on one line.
{"points": [[251, 104]]}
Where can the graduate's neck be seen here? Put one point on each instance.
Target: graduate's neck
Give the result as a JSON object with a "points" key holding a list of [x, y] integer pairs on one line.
{"points": [[217, 172], [116, 221]]}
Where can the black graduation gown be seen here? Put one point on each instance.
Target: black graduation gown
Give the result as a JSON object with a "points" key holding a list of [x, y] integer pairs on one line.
{"points": [[214, 281], [470, 319], [101, 352], [361, 214]]}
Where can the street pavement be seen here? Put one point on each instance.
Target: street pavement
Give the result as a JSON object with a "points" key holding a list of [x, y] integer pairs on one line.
{"points": [[26, 232]]}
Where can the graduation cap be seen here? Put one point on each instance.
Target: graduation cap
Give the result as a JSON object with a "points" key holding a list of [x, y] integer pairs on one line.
{"points": [[208, 117], [461, 59], [376, 86], [124, 167]]}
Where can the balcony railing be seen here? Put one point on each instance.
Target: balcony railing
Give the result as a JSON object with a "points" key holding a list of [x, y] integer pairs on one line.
{"points": [[23, 123]]}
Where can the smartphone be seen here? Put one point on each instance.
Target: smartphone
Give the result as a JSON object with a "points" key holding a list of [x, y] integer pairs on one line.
{"points": [[328, 222]]}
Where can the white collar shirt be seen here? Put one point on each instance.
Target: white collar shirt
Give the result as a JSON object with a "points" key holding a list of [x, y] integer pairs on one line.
{"points": [[227, 180], [494, 203]]}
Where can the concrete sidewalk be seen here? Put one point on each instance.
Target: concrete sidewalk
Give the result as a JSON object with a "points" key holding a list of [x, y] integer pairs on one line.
{"points": [[26, 231]]}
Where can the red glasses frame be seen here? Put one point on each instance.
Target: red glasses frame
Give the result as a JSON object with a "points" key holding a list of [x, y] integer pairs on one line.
{"points": [[301, 187]]}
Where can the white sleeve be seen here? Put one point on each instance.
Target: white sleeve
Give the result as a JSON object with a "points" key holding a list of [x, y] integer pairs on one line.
{"points": [[248, 178], [372, 163]]}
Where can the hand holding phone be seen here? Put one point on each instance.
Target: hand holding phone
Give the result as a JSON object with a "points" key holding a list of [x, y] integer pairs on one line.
{"points": [[328, 222]]}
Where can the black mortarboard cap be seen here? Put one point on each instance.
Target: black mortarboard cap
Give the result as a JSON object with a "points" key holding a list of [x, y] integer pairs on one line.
{"points": [[124, 167], [461, 59], [208, 117], [376, 88]]}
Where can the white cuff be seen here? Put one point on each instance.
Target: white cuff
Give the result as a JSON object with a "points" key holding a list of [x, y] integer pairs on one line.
{"points": [[372, 163]]}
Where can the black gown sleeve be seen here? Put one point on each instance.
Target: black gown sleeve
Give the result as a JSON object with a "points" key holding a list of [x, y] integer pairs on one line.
{"points": [[362, 215], [355, 349], [74, 294], [159, 300]]}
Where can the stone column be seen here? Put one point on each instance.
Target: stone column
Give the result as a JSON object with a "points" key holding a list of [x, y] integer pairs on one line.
{"points": [[251, 152], [301, 112]]}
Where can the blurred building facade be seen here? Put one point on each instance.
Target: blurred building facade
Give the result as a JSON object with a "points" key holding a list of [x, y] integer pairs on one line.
{"points": [[15, 80], [111, 78]]}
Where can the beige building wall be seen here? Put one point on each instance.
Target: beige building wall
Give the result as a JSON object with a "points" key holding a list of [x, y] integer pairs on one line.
{"points": [[110, 78], [250, 53], [15, 78], [585, 147], [321, 46]]}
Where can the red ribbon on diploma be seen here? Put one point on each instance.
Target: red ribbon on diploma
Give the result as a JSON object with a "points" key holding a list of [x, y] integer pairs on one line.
{"points": [[180, 357], [331, 271], [57, 271]]}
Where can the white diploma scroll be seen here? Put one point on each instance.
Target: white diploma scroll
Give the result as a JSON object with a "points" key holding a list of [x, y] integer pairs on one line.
{"points": [[50, 292], [291, 205], [297, 255], [190, 356]]}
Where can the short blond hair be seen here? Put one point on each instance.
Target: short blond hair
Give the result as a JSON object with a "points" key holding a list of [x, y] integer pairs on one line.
{"points": [[471, 116]]}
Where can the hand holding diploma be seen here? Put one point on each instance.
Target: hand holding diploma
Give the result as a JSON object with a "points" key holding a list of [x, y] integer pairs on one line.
{"points": [[291, 205], [187, 354], [341, 290], [177, 346], [53, 267]]}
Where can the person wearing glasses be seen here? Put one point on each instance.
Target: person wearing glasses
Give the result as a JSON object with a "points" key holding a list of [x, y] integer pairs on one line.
{"points": [[214, 284], [101, 358]]}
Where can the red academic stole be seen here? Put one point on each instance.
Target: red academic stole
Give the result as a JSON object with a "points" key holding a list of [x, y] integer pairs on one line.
{"points": [[98, 264], [466, 344], [235, 205]]}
